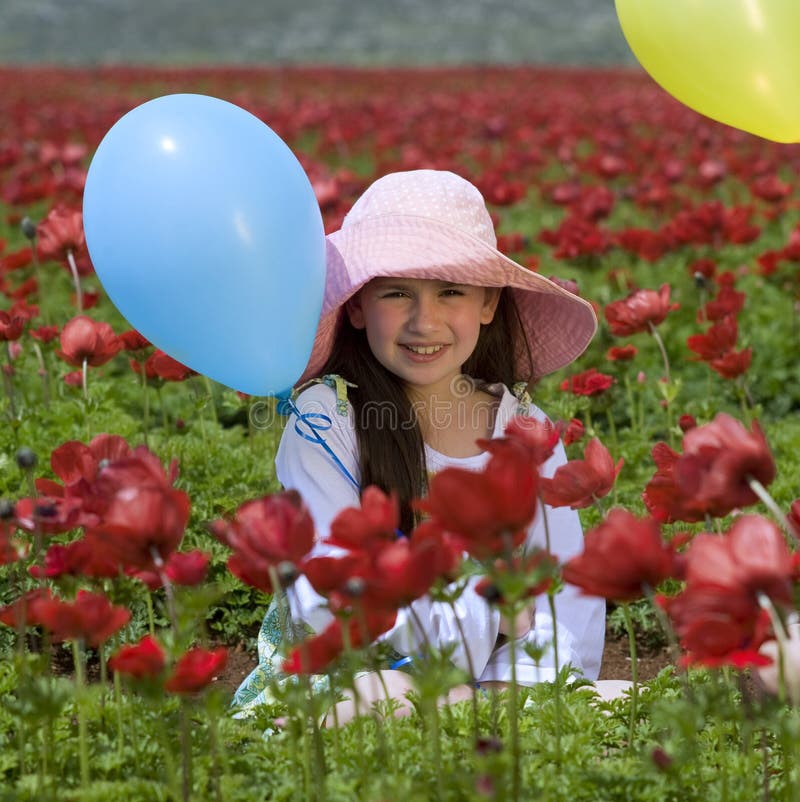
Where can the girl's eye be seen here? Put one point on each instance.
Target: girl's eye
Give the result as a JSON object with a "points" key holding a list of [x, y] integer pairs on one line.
{"points": [[394, 294], [452, 292]]}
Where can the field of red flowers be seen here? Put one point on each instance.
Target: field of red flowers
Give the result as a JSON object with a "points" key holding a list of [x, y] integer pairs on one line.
{"points": [[137, 539]]}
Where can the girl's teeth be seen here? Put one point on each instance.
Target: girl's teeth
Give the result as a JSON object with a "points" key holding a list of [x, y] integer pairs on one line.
{"points": [[424, 349]]}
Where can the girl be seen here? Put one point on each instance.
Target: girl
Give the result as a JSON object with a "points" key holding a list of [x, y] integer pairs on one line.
{"points": [[425, 331]]}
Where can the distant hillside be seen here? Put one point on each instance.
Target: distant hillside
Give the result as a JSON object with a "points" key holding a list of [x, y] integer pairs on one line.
{"points": [[357, 32]]}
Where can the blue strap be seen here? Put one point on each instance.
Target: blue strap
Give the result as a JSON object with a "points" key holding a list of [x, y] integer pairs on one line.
{"points": [[315, 436]]}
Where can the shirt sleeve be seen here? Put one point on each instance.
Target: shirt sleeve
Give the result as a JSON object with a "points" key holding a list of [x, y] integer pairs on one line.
{"points": [[304, 465]]}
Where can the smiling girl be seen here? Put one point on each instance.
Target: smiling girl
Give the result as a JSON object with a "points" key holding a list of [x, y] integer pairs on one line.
{"points": [[428, 341]]}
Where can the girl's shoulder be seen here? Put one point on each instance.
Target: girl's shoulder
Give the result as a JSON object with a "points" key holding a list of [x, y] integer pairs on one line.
{"points": [[514, 401], [325, 395]]}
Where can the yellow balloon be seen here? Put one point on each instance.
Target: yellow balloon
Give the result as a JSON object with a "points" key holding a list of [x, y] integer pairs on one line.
{"points": [[736, 61]]}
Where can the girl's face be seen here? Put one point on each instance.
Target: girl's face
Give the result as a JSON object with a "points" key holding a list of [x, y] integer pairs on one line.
{"points": [[422, 330]]}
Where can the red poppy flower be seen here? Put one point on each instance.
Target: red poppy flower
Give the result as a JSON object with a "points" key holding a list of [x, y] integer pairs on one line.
{"points": [[374, 522], [639, 311], [624, 353], [314, 655], [716, 626], [718, 460], [59, 233], [10, 327], [16, 260], [489, 507], [165, 367], [264, 533], [143, 525], [44, 333], [90, 618], [132, 340], [196, 669], [717, 341], [732, 364], [589, 382], [25, 610], [9, 551], [580, 483], [727, 302], [573, 432], [751, 558], [663, 496], [794, 516], [187, 567], [531, 437], [83, 338], [73, 461], [142, 660], [621, 557], [84, 557], [50, 514]]}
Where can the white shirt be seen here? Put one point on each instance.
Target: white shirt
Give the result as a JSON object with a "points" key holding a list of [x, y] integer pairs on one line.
{"points": [[305, 466]]}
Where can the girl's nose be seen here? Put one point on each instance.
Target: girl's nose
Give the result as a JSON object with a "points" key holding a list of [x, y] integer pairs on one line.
{"points": [[424, 315]]}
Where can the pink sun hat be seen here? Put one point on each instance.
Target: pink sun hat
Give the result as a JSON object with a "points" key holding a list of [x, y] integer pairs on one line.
{"points": [[433, 224]]}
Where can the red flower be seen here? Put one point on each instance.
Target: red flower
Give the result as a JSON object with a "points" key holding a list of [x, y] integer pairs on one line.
{"points": [[624, 353], [51, 515], [84, 557], [61, 232], [132, 340], [716, 627], [639, 311], [663, 496], [752, 558], [732, 364], [10, 327], [73, 461], [794, 516], [25, 610], [264, 533], [621, 558], [187, 567], [717, 341], [489, 507], [718, 460], [589, 382], [196, 669], [533, 438], [317, 653], [573, 432], [143, 660], [83, 338], [90, 618], [579, 483], [44, 333], [686, 422], [165, 367], [375, 521], [727, 302], [143, 525]]}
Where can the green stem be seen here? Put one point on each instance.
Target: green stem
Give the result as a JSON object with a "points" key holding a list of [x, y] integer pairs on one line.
{"points": [[145, 404], [8, 386], [551, 601], [44, 374], [634, 672], [665, 360], [211, 401], [772, 506], [83, 742], [513, 713], [76, 280], [186, 754], [471, 668], [84, 380]]}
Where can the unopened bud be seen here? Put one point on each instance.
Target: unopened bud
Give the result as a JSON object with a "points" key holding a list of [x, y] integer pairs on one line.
{"points": [[355, 587], [28, 228], [6, 509], [700, 281], [26, 458], [287, 573]]}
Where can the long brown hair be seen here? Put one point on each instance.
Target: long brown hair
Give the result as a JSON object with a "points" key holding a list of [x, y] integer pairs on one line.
{"points": [[391, 448]]}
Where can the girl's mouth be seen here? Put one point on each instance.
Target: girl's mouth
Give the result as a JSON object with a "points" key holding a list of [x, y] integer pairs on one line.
{"points": [[425, 350]]}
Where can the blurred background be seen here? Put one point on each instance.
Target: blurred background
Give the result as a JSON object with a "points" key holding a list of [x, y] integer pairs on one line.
{"points": [[357, 32]]}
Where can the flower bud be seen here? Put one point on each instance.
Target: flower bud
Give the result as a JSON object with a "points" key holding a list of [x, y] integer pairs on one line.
{"points": [[354, 587], [26, 459], [28, 228], [6, 509], [287, 573]]}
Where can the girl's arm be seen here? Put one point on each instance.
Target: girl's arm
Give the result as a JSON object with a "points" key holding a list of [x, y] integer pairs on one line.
{"points": [[583, 617], [305, 466]]}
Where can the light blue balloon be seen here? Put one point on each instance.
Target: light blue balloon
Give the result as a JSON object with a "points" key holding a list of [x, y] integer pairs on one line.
{"points": [[205, 233]]}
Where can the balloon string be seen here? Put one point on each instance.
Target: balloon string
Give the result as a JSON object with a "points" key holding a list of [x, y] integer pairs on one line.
{"points": [[316, 437]]}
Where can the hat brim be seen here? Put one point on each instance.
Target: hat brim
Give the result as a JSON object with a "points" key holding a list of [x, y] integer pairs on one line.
{"points": [[557, 324]]}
